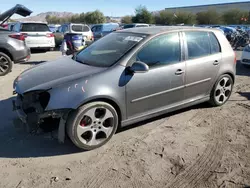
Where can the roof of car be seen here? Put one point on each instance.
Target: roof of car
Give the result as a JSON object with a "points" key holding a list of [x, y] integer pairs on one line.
{"points": [[161, 29]]}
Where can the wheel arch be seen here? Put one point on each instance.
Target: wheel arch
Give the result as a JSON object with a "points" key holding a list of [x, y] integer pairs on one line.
{"points": [[109, 101], [3, 50], [231, 75]]}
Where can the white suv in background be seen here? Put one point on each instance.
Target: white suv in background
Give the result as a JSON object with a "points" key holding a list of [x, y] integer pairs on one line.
{"points": [[38, 35], [78, 28]]}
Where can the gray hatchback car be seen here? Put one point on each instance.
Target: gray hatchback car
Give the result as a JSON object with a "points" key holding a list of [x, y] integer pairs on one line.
{"points": [[126, 77]]}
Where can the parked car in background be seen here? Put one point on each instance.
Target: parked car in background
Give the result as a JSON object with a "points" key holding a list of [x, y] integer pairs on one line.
{"points": [[100, 30], [245, 57], [74, 28], [12, 49], [53, 28], [12, 45], [126, 77], [127, 26], [11, 25], [37, 35]]}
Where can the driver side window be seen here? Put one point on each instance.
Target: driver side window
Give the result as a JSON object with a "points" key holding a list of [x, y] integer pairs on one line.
{"points": [[161, 50]]}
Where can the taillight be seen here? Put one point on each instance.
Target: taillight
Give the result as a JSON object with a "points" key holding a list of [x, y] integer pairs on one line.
{"points": [[50, 35], [18, 36]]}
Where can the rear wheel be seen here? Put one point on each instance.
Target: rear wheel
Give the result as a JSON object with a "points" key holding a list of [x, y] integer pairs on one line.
{"points": [[222, 90], [5, 64], [92, 125]]}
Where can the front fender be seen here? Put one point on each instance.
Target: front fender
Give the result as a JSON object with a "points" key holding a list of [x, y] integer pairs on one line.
{"points": [[100, 86]]}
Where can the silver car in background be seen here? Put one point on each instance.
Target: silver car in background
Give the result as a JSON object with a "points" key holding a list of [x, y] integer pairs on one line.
{"points": [[126, 77]]}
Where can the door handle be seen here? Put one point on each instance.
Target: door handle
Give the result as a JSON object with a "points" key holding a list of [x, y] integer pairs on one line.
{"points": [[216, 62], [179, 72]]}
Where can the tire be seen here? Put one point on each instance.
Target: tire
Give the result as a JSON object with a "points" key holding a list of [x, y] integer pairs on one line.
{"points": [[220, 94], [83, 129], [5, 64]]}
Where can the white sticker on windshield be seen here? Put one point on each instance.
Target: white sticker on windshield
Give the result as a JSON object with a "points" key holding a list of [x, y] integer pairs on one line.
{"points": [[133, 38]]}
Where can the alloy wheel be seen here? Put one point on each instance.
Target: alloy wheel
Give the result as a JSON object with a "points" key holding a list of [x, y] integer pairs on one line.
{"points": [[223, 90], [96, 126], [4, 64]]}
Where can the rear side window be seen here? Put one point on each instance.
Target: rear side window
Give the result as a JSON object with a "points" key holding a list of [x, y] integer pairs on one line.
{"points": [[215, 46], [85, 28], [77, 28], [80, 28], [34, 27], [198, 44]]}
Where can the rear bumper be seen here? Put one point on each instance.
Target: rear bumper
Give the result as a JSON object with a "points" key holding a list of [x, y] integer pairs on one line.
{"points": [[21, 55]]}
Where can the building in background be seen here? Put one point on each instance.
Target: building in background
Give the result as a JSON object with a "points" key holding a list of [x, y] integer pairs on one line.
{"points": [[218, 7]]}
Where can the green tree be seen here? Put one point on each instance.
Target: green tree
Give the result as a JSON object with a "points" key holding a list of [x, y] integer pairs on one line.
{"points": [[75, 18], [142, 15], [209, 17], [164, 18], [184, 18], [82, 17], [126, 19], [95, 17], [235, 16]]}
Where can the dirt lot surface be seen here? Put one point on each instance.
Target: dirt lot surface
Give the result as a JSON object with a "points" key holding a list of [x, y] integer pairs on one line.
{"points": [[194, 147]]}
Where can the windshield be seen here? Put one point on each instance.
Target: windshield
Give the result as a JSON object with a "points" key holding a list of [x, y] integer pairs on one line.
{"points": [[109, 49], [35, 27]]}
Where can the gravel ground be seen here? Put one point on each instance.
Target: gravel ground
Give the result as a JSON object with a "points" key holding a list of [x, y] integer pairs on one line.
{"points": [[194, 147]]}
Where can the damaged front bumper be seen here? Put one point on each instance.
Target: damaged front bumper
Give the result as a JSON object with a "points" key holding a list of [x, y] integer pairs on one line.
{"points": [[30, 109]]}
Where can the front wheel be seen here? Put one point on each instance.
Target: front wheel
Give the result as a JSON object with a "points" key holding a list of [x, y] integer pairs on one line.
{"points": [[5, 64], [92, 125], [221, 91]]}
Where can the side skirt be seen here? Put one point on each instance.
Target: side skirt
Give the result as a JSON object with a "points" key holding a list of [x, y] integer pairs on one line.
{"points": [[159, 112]]}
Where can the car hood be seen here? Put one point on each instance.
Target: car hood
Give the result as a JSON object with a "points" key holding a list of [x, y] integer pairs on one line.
{"points": [[52, 74]]}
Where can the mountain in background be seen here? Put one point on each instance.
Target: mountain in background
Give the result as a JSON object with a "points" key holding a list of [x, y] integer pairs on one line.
{"points": [[41, 17]]}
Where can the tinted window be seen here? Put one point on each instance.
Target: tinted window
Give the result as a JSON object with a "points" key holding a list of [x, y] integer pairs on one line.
{"points": [[34, 27], [198, 44], [141, 25], [162, 50], [107, 50], [98, 28], [215, 46], [128, 26], [85, 28]]}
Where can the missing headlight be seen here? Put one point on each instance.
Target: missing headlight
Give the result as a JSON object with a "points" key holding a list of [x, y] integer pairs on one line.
{"points": [[44, 99]]}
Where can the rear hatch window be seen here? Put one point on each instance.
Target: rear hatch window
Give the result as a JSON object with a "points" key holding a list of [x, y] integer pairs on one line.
{"points": [[80, 28], [35, 27]]}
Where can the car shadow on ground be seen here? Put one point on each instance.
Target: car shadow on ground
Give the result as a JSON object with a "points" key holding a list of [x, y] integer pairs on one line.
{"points": [[245, 94], [242, 70], [15, 142]]}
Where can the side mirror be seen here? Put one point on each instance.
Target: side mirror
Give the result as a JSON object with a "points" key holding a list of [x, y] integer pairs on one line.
{"points": [[139, 67]]}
